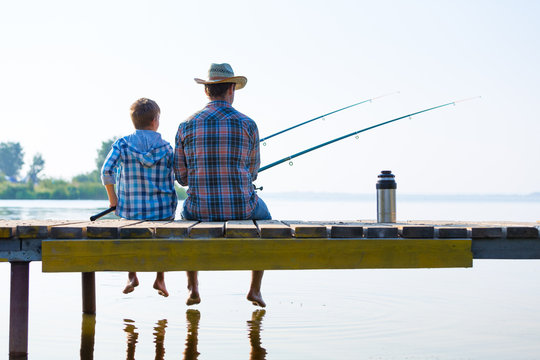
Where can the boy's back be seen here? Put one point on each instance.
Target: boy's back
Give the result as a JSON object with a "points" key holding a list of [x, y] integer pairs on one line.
{"points": [[143, 163]]}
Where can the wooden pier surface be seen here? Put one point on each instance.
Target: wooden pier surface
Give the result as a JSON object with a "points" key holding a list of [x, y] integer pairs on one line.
{"points": [[180, 245]]}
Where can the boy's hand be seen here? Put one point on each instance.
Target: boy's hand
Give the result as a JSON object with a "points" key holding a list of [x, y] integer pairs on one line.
{"points": [[113, 199], [113, 203]]}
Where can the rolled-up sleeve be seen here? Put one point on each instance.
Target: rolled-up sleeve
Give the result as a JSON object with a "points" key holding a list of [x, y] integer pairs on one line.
{"points": [[254, 161], [180, 168], [108, 171]]}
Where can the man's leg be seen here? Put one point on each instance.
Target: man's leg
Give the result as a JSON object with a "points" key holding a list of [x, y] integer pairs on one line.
{"points": [[159, 284], [254, 294], [193, 287], [261, 211]]}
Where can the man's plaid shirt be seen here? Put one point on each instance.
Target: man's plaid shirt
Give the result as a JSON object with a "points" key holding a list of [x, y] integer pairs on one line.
{"points": [[217, 157], [141, 166]]}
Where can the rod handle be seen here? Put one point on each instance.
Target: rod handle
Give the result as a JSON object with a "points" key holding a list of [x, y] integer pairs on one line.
{"points": [[103, 213]]}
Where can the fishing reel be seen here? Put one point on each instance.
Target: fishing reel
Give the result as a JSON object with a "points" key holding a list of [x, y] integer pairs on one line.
{"points": [[257, 188]]}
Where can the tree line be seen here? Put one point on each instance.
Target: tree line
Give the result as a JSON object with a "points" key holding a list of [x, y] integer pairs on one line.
{"points": [[32, 185]]}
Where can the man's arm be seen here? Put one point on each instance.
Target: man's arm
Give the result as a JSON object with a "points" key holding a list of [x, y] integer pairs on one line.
{"points": [[254, 161], [180, 168]]}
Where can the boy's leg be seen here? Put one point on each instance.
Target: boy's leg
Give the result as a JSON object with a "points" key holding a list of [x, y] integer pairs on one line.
{"points": [[193, 287], [254, 295], [159, 284], [133, 282]]}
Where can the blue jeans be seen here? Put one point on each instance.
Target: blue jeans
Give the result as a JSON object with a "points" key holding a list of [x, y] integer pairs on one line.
{"points": [[260, 213]]}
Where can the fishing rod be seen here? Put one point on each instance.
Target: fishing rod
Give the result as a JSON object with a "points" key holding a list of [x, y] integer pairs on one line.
{"points": [[289, 158], [322, 116], [103, 213]]}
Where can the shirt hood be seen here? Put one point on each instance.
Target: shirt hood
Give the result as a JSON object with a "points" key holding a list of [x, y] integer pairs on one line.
{"points": [[147, 146]]}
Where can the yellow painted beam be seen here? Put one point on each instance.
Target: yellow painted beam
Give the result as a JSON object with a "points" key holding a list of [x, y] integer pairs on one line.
{"points": [[252, 254]]}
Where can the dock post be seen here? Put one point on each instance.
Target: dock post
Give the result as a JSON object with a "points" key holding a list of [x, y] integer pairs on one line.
{"points": [[89, 292], [18, 309]]}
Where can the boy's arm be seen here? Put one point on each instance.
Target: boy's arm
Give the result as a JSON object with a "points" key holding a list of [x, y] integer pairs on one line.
{"points": [[108, 175], [113, 199], [108, 170]]}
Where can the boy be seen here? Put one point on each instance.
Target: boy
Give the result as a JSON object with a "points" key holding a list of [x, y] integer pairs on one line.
{"points": [[142, 166]]}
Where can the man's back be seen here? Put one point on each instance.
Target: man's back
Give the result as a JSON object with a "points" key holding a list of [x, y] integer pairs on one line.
{"points": [[217, 156]]}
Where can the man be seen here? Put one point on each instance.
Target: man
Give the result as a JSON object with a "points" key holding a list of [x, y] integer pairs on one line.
{"points": [[217, 156]]}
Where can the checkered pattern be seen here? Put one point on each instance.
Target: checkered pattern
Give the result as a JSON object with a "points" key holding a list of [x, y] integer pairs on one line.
{"points": [[217, 157], [145, 180]]}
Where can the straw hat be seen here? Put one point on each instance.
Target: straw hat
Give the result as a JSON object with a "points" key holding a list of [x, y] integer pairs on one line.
{"points": [[223, 73]]}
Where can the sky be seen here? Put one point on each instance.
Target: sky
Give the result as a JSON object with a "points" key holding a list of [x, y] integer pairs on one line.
{"points": [[69, 71]]}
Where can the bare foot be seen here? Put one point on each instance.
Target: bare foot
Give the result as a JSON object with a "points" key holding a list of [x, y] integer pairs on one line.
{"points": [[193, 287], [256, 299], [193, 298], [159, 285], [133, 282]]}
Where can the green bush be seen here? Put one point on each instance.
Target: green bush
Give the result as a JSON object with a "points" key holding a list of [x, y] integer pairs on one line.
{"points": [[16, 191], [93, 191]]}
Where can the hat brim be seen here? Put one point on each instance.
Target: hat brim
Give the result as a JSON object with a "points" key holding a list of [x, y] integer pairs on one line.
{"points": [[240, 81]]}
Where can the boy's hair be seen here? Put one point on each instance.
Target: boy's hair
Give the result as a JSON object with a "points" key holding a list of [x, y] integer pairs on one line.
{"points": [[143, 111], [217, 90]]}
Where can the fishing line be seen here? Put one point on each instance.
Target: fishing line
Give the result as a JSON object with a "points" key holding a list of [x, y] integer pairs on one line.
{"points": [[263, 140], [409, 116]]}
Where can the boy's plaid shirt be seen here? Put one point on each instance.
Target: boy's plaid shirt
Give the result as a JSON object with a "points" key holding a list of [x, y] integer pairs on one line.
{"points": [[217, 157], [145, 181]]}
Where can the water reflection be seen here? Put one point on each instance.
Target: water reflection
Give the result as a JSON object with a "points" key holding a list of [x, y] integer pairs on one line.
{"points": [[88, 334], [132, 337], [254, 328], [193, 317]]}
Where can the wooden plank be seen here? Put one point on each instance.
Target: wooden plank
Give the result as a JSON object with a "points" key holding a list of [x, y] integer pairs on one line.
{"points": [[8, 229], [523, 232], [207, 230], [70, 231], [487, 248], [241, 229], [107, 229], [486, 232], [382, 232], [140, 230], [38, 229], [273, 229], [418, 232], [452, 232], [346, 231], [176, 229], [252, 254], [304, 229]]}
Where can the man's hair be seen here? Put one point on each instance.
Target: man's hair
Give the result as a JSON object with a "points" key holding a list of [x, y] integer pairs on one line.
{"points": [[217, 90], [143, 111]]}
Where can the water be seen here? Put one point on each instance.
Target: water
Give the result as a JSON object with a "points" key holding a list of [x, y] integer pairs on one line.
{"points": [[489, 311]]}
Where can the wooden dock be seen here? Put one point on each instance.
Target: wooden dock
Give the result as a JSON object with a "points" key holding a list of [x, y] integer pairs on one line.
{"points": [[130, 245]]}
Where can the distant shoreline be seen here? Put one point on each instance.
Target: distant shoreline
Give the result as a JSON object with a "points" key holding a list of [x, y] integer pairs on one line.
{"points": [[307, 196]]}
